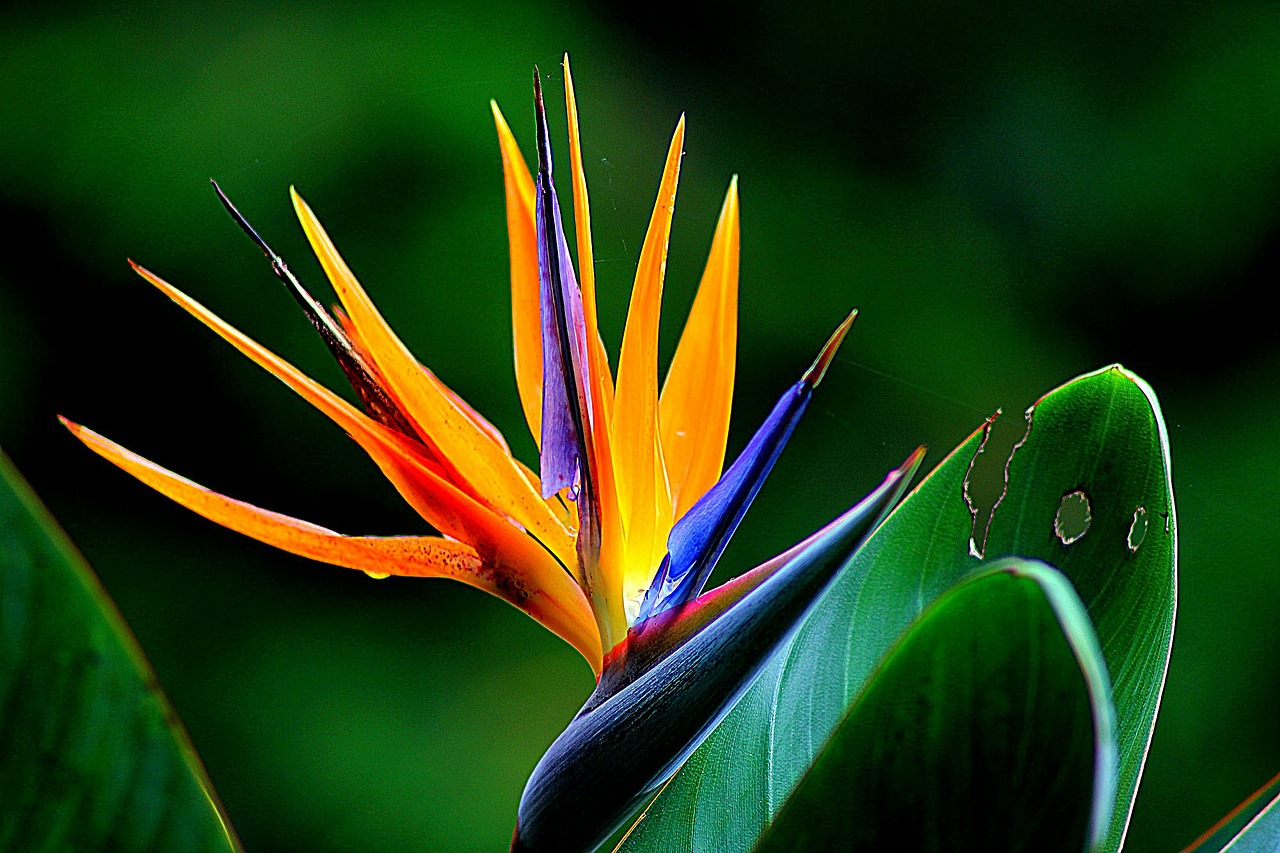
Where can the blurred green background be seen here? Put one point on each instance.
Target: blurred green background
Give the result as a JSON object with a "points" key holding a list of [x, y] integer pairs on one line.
{"points": [[1012, 195]]}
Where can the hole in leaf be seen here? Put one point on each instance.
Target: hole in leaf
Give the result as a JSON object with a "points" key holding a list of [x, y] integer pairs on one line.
{"points": [[1073, 518], [987, 481], [1137, 530]]}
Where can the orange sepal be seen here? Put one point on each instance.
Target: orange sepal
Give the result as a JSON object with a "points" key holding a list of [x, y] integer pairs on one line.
{"points": [[415, 475], [526, 306], [362, 349], [474, 460], [411, 556], [698, 394], [598, 359], [643, 495], [607, 574]]}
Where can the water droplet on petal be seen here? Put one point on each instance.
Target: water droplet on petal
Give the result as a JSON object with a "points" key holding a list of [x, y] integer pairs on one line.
{"points": [[1073, 518], [1137, 530], [378, 576]]}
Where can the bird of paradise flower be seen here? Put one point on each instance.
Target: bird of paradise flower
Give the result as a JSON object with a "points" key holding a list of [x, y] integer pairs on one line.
{"points": [[610, 543]]}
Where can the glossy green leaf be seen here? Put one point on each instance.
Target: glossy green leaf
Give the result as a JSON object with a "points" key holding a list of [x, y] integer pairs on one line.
{"points": [[989, 726], [92, 756], [1252, 825], [1101, 434]]}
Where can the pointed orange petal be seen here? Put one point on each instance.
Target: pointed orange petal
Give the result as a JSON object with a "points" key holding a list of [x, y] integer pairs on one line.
{"points": [[581, 204], [415, 475], [415, 556], [607, 570], [522, 234], [641, 474], [602, 378], [360, 427], [437, 556], [698, 394], [478, 420], [466, 451], [362, 349]]}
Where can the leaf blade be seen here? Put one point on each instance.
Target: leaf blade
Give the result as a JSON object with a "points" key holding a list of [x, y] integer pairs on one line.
{"points": [[1102, 432], [92, 756], [996, 695]]}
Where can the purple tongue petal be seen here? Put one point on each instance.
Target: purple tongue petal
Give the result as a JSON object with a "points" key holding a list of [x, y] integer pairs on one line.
{"points": [[699, 538], [565, 404]]}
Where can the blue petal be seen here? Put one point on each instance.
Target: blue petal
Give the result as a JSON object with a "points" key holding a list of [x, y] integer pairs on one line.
{"points": [[619, 749], [699, 538], [565, 402]]}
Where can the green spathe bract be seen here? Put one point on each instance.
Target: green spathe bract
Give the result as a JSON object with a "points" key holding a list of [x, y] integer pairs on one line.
{"points": [[626, 743], [91, 754]]}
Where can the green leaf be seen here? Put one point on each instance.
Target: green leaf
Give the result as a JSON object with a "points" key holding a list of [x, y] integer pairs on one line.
{"points": [[988, 727], [1252, 825], [1101, 434], [92, 757]]}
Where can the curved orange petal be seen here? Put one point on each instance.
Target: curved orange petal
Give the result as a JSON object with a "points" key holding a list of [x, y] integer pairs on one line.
{"points": [[362, 349], [643, 495], [415, 475], [698, 394], [526, 310], [413, 556], [389, 449], [472, 458]]}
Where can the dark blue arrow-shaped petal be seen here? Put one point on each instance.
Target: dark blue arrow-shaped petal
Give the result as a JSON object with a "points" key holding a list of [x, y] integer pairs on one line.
{"points": [[699, 538], [618, 751]]}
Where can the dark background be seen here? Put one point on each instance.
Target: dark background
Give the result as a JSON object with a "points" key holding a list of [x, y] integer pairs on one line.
{"points": [[1012, 194]]}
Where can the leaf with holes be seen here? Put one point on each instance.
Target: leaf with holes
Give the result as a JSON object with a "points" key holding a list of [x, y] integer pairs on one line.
{"points": [[91, 754], [989, 726], [1101, 435]]}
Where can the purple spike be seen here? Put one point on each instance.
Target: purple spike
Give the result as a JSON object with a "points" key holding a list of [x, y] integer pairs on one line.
{"points": [[565, 395], [699, 538]]}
